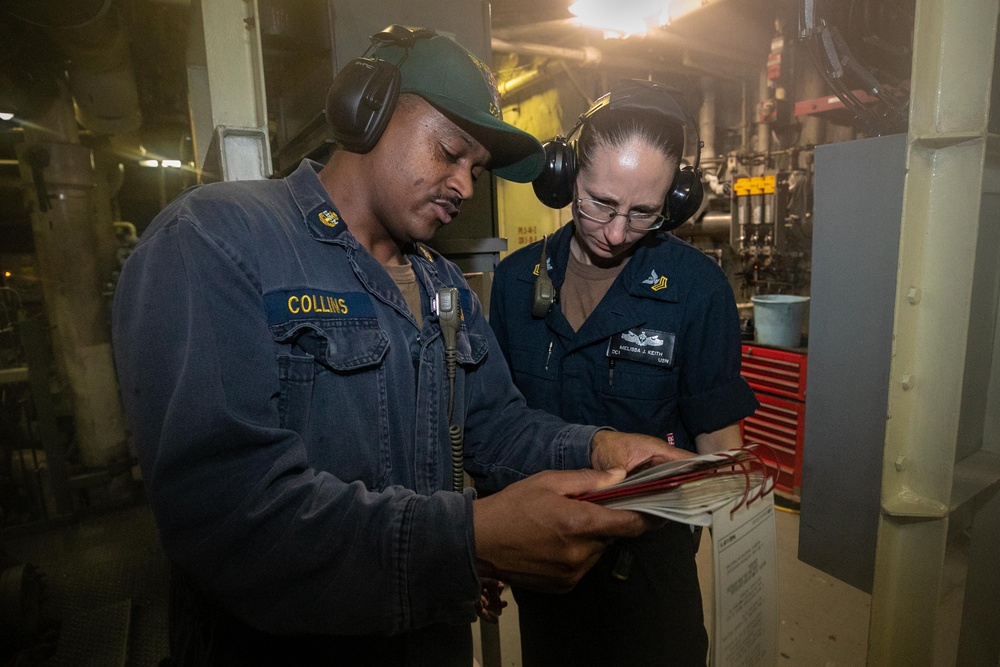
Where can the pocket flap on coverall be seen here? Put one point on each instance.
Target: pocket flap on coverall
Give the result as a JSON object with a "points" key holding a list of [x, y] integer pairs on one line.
{"points": [[339, 347], [471, 348]]}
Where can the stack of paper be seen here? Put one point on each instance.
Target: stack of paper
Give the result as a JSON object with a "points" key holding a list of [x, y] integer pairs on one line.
{"points": [[691, 489]]}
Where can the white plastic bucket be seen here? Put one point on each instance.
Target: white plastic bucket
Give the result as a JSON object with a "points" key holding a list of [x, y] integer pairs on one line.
{"points": [[777, 319]]}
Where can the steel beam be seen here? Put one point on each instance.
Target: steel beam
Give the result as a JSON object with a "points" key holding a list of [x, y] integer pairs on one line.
{"points": [[226, 83], [944, 335]]}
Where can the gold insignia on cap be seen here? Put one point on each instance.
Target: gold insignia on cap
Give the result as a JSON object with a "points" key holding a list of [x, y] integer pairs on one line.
{"points": [[329, 218], [491, 84]]}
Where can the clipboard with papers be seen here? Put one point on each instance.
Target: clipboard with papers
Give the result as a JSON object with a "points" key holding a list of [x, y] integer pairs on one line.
{"points": [[729, 492], [691, 489]]}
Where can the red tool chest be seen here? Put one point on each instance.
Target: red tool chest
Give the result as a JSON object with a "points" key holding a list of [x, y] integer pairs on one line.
{"points": [[778, 378]]}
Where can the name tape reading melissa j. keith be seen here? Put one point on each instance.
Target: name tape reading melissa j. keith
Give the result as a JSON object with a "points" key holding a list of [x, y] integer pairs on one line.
{"points": [[647, 346]]}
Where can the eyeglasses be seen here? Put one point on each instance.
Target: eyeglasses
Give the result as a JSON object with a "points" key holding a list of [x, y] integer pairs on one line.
{"points": [[637, 221]]}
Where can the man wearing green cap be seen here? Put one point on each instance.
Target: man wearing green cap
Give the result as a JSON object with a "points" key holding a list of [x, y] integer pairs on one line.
{"points": [[281, 352]]}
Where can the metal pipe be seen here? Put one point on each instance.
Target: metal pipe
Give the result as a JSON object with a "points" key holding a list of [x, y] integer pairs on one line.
{"points": [[72, 245], [744, 123], [715, 225], [763, 127], [666, 39], [706, 116], [658, 38], [510, 86], [586, 56]]}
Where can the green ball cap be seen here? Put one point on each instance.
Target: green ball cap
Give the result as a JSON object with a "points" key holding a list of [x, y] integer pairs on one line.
{"points": [[464, 89]]}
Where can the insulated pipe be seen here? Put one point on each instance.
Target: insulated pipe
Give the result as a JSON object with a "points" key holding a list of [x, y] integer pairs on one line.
{"points": [[744, 121], [512, 85], [656, 37], [99, 63], [101, 77], [71, 244], [763, 128], [99, 68], [730, 54], [714, 225], [586, 56], [706, 116]]}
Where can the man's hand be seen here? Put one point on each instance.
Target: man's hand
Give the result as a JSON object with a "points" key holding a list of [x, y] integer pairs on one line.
{"points": [[534, 534], [629, 451], [490, 606]]}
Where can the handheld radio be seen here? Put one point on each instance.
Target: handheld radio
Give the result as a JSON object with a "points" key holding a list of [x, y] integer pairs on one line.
{"points": [[449, 312], [545, 292]]}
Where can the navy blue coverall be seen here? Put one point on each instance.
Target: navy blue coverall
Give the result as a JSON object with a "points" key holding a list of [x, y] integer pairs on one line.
{"points": [[659, 355], [291, 422]]}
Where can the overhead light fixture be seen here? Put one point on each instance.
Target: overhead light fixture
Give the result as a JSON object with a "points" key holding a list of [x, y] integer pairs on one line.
{"points": [[6, 115], [167, 164], [623, 18], [619, 19]]}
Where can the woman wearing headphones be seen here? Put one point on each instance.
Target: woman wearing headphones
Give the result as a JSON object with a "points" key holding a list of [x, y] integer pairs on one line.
{"points": [[642, 334]]}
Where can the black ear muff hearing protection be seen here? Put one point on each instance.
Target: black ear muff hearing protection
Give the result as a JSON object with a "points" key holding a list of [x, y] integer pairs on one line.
{"points": [[554, 187], [363, 95], [685, 196]]}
